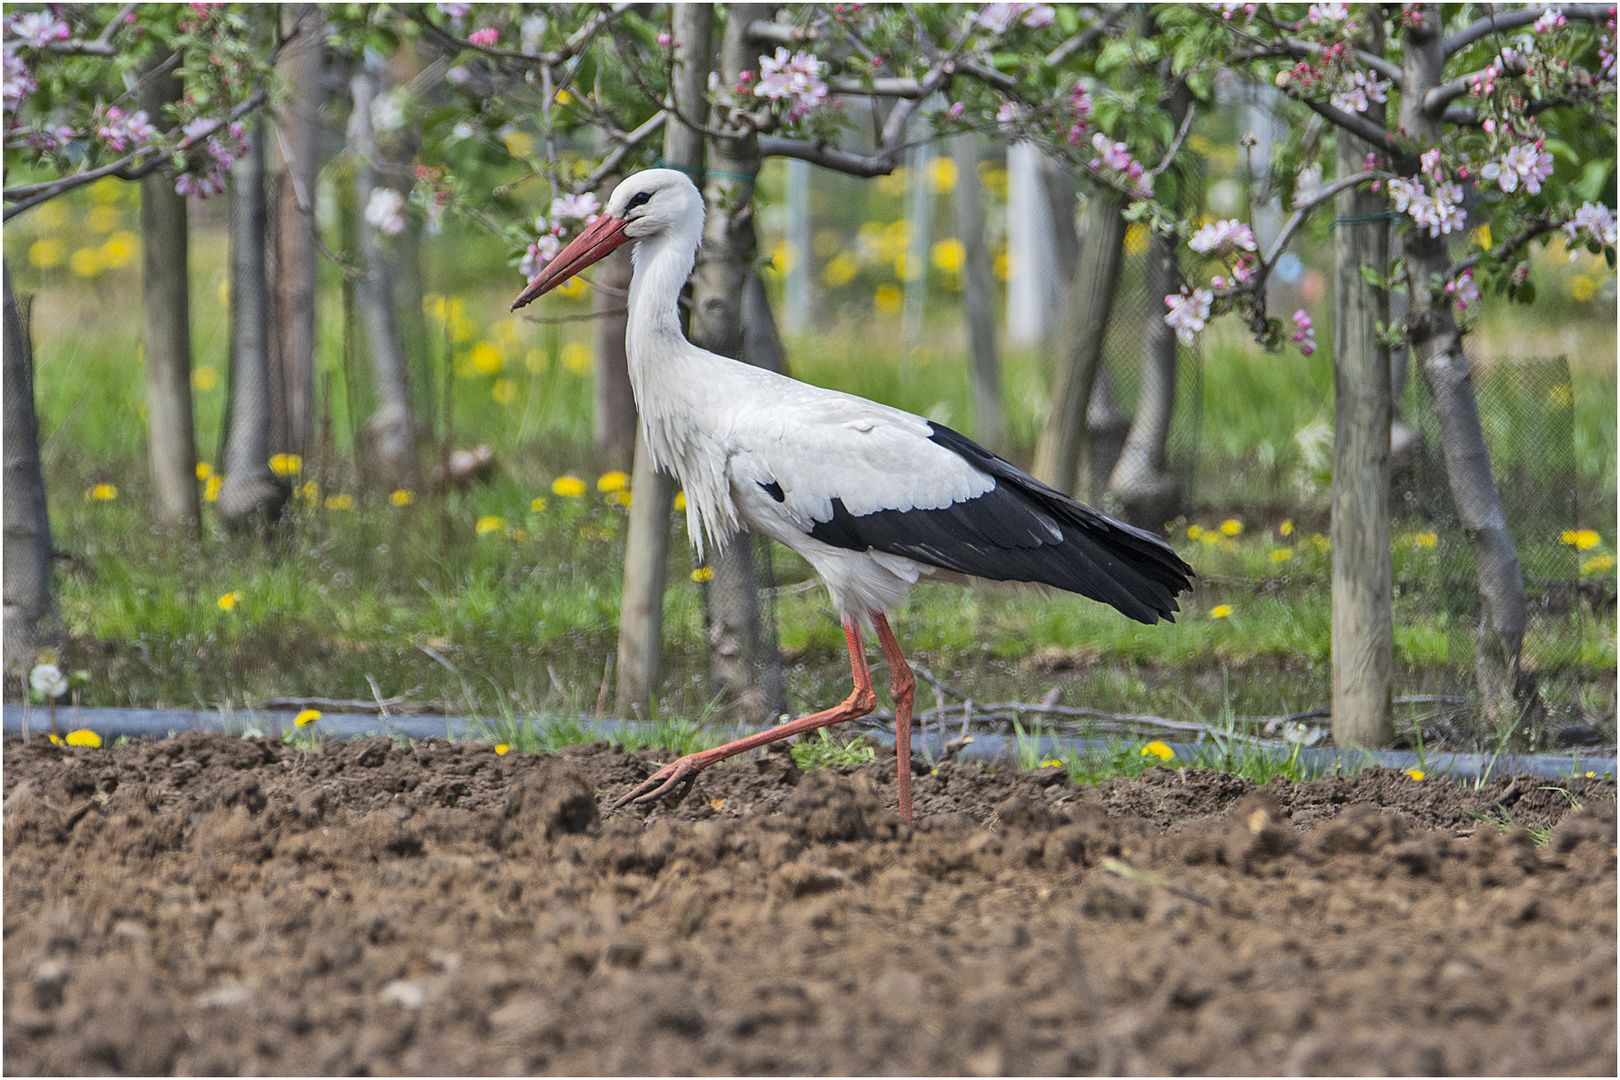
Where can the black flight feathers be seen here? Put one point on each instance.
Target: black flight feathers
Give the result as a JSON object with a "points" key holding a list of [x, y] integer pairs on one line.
{"points": [[1022, 530]]}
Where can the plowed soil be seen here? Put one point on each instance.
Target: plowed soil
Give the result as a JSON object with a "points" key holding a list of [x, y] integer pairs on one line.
{"points": [[208, 904]]}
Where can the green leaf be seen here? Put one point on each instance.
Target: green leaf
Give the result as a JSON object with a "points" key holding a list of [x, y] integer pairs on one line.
{"points": [[1371, 276], [1526, 293], [1593, 179]]}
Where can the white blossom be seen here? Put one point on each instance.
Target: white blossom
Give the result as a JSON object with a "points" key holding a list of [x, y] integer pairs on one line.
{"points": [[1593, 219], [36, 28], [795, 79], [48, 681], [581, 207], [388, 111], [1331, 13], [385, 210], [1231, 233], [1188, 312], [997, 17]]}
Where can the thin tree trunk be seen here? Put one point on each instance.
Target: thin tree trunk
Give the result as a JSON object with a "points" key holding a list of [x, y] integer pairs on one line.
{"points": [[614, 412], [1091, 299], [1436, 344], [298, 128], [744, 667], [1363, 622], [30, 604], [978, 298], [641, 616], [1148, 495], [171, 445], [399, 151], [389, 440], [250, 494]]}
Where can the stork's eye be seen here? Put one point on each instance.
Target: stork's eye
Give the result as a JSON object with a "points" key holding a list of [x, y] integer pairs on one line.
{"points": [[638, 199]]}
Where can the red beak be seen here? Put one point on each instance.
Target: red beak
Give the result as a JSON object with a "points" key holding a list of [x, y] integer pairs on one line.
{"points": [[599, 238]]}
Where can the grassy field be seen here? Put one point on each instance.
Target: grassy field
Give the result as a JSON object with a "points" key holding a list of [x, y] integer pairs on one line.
{"points": [[504, 601]]}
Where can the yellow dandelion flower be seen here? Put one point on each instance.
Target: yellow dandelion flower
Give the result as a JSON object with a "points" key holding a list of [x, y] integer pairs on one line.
{"points": [[1286, 528], [679, 504], [83, 737], [103, 219], [1194, 532], [486, 358], [618, 498], [1320, 542], [948, 256], [119, 249], [942, 174], [205, 378], [1159, 750], [1220, 611], [86, 262], [1210, 536], [569, 487], [45, 253], [840, 270], [204, 470], [1231, 527], [505, 391], [501, 748], [402, 497], [1416, 774], [887, 299], [102, 493], [1282, 554], [211, 488], [576, 358], [308, 716], [286, 464], [310, 492], [56, 740], [1049, 762], [1581, 539], [612, 481], [489, 524], [340, 502], [702, 574], [572, 288], [1598, 564], [1425, 539], [538, 505], [228, 601]]}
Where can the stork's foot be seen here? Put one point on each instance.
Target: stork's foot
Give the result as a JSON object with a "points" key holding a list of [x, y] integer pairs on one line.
{"points": [[673, 780]]}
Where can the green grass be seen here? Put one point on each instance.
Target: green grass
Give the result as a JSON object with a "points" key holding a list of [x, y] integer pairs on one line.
{"points": [[519, 623], [824, 751]]}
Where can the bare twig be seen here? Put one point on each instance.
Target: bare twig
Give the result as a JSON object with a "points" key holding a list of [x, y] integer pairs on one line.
{"points": [[1512, 20], [1175, 146]]}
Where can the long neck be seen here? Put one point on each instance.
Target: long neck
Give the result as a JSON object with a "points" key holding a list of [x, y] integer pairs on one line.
{"points": [[653, 334]]}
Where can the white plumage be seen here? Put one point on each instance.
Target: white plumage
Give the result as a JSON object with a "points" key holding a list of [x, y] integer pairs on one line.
{"points": [[872, 497]]}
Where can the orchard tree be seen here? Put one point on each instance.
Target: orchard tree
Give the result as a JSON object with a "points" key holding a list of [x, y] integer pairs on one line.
{"points": [[89, 93]]}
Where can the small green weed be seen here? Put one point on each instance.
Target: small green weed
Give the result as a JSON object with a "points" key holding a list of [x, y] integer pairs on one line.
{"points": [[825, 751]]}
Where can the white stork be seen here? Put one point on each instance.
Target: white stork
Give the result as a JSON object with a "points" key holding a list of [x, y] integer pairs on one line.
{"points": [[873, 498]]}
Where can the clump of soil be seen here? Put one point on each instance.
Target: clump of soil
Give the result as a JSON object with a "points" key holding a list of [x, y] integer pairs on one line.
{"points": [[206, 904]]}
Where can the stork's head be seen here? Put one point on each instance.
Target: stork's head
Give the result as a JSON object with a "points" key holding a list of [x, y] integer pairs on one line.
{"points": [[645, 204]]}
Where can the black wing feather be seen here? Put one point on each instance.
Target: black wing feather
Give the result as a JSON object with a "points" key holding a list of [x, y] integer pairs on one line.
{"points": [[1023, 530]]}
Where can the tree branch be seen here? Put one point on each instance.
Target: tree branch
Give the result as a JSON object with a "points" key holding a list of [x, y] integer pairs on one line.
{"points": [[1175, 146], [1286, 47], [28, 196], [1356, 124], [1084, 38], [1543, 224], [626, 145], [830, 157], [781, 34], [1437, 99], [1512, 20]]}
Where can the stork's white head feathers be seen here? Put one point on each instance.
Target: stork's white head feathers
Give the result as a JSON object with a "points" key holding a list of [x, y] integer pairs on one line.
{"points": [[655, 202]]}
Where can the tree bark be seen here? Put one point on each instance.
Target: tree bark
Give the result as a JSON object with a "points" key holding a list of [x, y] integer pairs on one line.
{"points": [[250, 494], [614, 414], [30, 604], [744, 667], [1148, 495], [1436, 344], [1091, 299], [171, 445], [390, 438], [1363, 642], [298, 129], [641, 615], [978, 298], [399, 151]]}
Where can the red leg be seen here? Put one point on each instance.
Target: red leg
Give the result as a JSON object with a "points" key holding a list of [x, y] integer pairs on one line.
{"points": [[858, 704], [902, 685]]}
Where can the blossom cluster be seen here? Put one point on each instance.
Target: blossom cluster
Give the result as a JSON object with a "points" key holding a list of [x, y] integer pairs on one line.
{"points": [[1440, 209], [1593, 219], [1527, 163], [1115, 157], [583, 208], [223, 147], [1462, 289], [32, 29], [997, 17], [1304, 333], [795, 79], [122, 130], [1357, 89], [1188, 313], [1080, 106]]}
